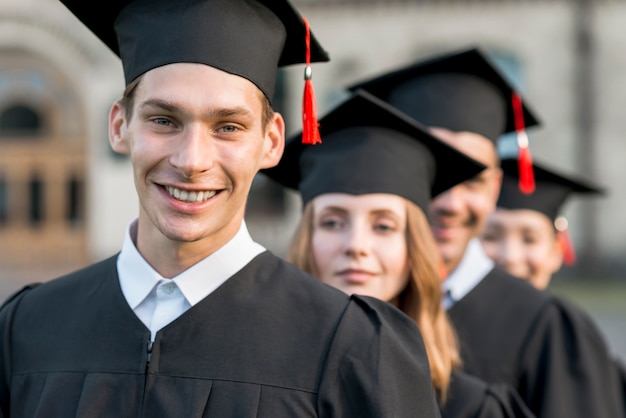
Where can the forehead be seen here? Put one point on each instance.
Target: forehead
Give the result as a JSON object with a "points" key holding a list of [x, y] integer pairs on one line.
{"points": [[360, 203], [198, 84], [508, 219], [472, 144]]}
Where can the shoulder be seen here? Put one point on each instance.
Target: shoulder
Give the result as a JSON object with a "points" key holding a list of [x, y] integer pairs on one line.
{"points": [[470, 396], [278, 279], [371, 326], [60, 290], [575, 326], [507, 290], [501, 298]]}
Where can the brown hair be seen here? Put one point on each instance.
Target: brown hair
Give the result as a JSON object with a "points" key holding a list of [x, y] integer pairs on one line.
{"points": [[420, 299]]}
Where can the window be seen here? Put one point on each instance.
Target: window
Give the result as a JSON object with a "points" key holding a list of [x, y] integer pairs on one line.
{"points": [[74, 194], [19, 120], [36, 194]]}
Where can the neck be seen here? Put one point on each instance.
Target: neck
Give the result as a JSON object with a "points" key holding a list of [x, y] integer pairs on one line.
{"points": [[170, 257]]}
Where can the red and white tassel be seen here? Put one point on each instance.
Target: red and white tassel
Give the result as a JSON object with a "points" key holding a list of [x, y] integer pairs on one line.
{"points": [[565, 241], [310, 125], [524, 159]]}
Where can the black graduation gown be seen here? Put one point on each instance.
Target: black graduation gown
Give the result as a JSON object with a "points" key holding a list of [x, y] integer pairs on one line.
{"points": [[470, 397], [512, 333], [270, 342]]}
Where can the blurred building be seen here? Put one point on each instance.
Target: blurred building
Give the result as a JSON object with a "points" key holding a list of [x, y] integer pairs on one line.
{"points": [[66, 198]]}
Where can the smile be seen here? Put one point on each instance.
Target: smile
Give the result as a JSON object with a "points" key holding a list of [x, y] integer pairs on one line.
{"points": [[190, 196]]}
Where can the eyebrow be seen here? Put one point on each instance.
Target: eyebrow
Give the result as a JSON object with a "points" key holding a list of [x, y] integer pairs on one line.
{"points": [[175, 107], [338, 209]]}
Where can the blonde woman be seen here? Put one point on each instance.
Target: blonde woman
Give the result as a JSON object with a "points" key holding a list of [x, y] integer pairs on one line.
{"points": [[364, 231]]}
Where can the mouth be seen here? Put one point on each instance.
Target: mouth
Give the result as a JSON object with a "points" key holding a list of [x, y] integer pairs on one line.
{"points": [[190, 196], [355, 275]]}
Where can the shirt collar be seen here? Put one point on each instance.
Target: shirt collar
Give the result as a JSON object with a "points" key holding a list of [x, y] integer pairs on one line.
{"points": [[473, 267], [138, 278]]}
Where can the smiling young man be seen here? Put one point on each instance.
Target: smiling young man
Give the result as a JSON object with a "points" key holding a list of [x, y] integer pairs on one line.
{"points": [[509, 332], [193, 318]]}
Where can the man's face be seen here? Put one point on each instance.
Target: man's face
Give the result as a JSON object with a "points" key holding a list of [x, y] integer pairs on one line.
{"points": [[195, 141], [460, 214]]}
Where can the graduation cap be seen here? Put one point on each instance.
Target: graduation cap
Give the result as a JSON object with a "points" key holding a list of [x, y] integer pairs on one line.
{"points": [[552, 189], [461, 91], [371, 147], [247, 38]]}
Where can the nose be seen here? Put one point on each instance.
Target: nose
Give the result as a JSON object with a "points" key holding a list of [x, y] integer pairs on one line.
{"points": [[449, 202], [356, 242], [194, 153], [511, 256]]}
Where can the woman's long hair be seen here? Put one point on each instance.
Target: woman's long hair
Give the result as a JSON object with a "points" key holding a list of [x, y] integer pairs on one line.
{"points": [[420, 299]]}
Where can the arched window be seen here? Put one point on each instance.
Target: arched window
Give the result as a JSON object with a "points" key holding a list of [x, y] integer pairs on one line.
{"points": [[19, 120]]}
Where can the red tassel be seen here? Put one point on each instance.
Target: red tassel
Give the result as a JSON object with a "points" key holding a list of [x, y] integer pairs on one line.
{"points": [[310, 125], [526, 173], [524, 159], [565, 241]]}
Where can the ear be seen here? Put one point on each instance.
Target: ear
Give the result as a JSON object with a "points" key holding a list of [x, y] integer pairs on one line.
{"points": [[274, 141], [117, 129], [556, 257]]}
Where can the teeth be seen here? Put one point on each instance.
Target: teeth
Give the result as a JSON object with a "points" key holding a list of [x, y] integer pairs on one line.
{"points": [[185, 196]]}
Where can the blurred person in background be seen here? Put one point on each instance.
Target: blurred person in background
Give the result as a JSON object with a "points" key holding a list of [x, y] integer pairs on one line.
{"points": [[509, 331], [529, 237], [364, 230]]}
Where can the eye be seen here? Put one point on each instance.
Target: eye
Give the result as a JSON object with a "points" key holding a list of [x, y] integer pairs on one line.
{"points": [[162, 121], [529, 239], [331, 223], [229, 129], [385, 226], [490, 236]]}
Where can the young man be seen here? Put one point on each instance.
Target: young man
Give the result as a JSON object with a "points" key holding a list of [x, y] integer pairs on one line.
{"points": [[193, 318], [509, 331]]}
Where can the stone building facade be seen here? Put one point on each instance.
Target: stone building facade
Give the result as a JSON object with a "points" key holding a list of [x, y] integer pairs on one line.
{"points": [[65, 198]]}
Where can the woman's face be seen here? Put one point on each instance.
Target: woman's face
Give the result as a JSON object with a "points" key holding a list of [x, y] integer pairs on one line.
{"points": [[523, 242], [359, 243]]}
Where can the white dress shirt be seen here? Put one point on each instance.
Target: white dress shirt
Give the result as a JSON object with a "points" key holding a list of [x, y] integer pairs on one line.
{"points": [[473, 267], [157, 301]]}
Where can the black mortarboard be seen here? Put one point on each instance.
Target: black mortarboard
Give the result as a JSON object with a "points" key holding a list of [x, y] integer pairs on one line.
{"points": [[461, 91], [249, 38], [371, 147], [551, 189]]}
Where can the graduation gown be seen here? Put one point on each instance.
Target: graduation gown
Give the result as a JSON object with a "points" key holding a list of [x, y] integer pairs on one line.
{"points": [[514, 334], [470, 397], [270, 342]]}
